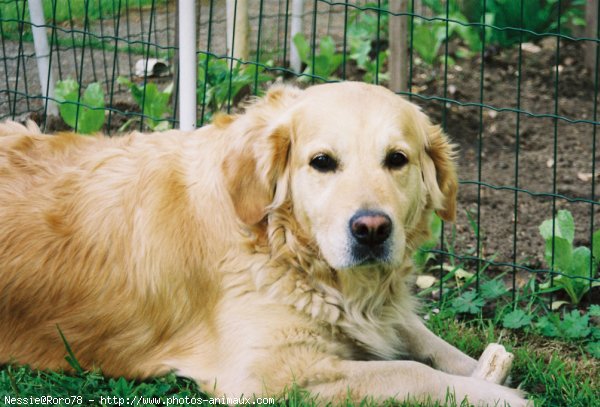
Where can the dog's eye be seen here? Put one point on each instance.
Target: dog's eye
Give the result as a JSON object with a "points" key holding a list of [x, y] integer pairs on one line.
{"points": [[395, 160], [323, 163]]}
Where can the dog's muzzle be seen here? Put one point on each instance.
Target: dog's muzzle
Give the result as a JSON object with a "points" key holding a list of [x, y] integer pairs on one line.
{"points": [[370, 231]]}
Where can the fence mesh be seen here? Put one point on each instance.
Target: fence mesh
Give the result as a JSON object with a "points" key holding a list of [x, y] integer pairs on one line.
{"points": [[515, 84]]}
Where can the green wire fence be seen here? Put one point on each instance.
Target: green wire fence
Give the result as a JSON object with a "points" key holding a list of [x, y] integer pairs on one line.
{"points": [[515, 85]]}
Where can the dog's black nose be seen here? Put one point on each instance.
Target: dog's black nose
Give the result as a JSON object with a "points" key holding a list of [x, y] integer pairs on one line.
{"points": [[371, 228]]}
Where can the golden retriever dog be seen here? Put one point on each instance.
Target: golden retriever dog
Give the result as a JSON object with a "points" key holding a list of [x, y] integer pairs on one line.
{"points": [[266, 249]]}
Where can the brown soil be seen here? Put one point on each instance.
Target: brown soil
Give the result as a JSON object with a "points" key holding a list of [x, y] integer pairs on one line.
{"points": [[551, 155]]}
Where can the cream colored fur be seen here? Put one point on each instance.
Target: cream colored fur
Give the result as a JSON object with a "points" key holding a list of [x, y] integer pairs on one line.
{"points": [[222, 255]]}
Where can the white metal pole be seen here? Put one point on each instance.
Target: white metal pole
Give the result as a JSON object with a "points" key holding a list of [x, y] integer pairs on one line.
{"points": [[42, 53], [297, 11], [188, 64]]}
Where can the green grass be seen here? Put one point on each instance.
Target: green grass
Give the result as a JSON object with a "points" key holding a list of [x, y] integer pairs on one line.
{"points": [[554, 373]]}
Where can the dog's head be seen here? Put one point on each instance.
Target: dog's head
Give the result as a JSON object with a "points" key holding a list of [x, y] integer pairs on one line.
{"points": [[359, 167]]}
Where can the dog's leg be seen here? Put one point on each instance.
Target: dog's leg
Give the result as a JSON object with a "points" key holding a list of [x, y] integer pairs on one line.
{"points": [[405, 380], [425, 346], [265, 360]]}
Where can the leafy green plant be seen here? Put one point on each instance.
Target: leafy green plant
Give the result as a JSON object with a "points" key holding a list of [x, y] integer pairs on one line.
{"points": [[493, 289], [366, 29], [572, 15], [220, 84], [432, 34], [428, 37], [593, 347], [326, 62], [360, 53], [153, 102], [458, 26], [439, 7], [472, 302], [573, 326], [539, 16], [85, 113], [574, 263], [373, 18]]}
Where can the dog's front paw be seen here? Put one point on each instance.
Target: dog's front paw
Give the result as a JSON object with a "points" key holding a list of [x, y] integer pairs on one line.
{"points": [[483, 393]]}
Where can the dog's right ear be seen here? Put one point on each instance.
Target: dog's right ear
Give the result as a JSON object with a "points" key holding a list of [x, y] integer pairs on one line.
{"points": [[257, 161], [252, 171]]}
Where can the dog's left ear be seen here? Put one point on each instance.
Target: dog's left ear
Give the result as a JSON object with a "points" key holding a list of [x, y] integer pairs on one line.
{"points": [[439, 172]]}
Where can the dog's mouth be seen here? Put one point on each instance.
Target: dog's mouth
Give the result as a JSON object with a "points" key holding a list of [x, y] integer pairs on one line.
{"points": [[369, 256]]}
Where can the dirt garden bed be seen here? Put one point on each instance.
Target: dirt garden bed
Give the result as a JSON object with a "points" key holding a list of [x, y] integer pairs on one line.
{"points": [[536, 147]]}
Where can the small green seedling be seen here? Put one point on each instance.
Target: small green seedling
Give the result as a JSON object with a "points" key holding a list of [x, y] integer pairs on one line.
{"points": [[85, 113], [326, 62], [423, 254], [517, 319], [468, 302], [153, 102], [576, 264]]}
